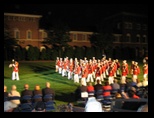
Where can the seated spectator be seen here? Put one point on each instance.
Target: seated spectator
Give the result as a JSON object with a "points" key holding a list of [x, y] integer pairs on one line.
{"points": [[124, 94], [37, 94], [132, 93], [26, 92], [14, 95], [128, 84], [39, 107], [5, 93], [48, 91], [82, 88], [133, 83], [107, 89], [92, 105], [90, 88], [118, 95], [9, 106], [123, 86], [115, 87], [98, 88]]}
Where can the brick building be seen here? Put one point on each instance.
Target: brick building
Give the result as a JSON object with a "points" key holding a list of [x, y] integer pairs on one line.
{"points": [[25, 28], [130, 34]]}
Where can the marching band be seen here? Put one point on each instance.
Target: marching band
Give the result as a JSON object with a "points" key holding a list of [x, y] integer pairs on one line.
{"points": [[92, 70]]}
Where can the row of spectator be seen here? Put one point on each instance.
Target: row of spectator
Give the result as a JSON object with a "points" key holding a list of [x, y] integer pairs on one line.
{"points": [[32, 97]]}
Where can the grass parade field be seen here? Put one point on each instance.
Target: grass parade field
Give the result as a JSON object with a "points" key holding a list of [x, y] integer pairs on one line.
{"points": [[39, 72]]}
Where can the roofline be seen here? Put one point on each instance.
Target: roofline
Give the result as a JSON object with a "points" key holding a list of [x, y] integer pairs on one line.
{"points": [[23, 15], [125, 13]]}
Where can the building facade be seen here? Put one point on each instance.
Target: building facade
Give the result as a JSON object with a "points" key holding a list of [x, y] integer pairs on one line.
{"points": [[130, 34], [25, 29]]}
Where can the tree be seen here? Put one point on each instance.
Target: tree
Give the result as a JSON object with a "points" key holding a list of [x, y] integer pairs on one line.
{"points": [[58, 36], [103, 40], [9, 42]]}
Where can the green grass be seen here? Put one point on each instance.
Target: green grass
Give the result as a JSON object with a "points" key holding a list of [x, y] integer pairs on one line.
{"points": [[39, 73]]}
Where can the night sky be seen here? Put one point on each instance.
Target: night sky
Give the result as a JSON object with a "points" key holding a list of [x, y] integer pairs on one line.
{"points": [[80, 15]]}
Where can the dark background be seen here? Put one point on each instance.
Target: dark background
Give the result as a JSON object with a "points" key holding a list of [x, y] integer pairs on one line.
{"points": [[76, 15]]}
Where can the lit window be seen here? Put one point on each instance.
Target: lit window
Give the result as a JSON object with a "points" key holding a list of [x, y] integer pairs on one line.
{"points": [[16, 34], [144, 39], [128, 37], [74, 37], [29, 34], [137, 38]]}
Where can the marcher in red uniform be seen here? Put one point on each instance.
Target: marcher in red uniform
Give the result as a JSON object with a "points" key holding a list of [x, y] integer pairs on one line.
{"points": [[111, 75], [84, 74], [90, 70], [77, 71], [64, 70], [124, 72], [15, 73], [98, 74], [136, 72], [70, 69], [57, 64], [145, 71]]}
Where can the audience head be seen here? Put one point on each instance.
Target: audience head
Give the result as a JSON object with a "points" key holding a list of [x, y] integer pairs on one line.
{"points": [[13, 87], [98, 81], [89, 84], [26, 86], [5, 88], [37, 87], [106, 83], [48, 84], [115, 81]]}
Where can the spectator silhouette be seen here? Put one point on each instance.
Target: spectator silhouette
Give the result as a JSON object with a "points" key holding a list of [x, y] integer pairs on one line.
{"points": [[92, 105], [48, 91], [37, 94], [14, 95], [98, 88], [26, 93], [79, 90]]}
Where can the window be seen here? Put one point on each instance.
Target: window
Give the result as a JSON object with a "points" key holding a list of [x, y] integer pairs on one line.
{"points": [[83, 37], [137, 38], [117, 37], [45, 35], [144, 40], [128, 37], [29, 34], [16, 34], [74, 37], [128, 25]]}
